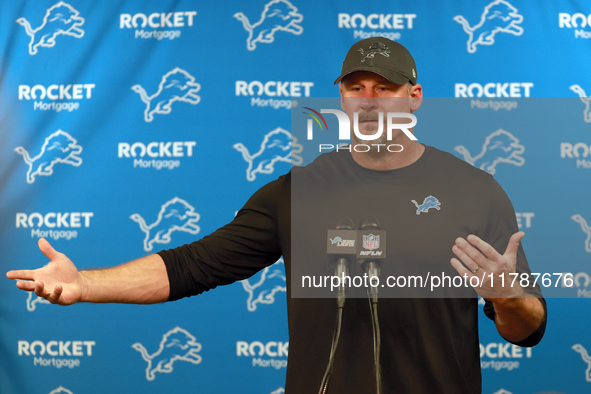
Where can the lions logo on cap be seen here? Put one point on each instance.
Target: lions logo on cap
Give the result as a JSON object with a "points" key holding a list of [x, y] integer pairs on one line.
{"points": [[375, 48]]}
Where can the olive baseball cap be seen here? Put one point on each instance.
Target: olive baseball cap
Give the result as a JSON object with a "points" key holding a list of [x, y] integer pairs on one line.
{"points": [[385, 57]]}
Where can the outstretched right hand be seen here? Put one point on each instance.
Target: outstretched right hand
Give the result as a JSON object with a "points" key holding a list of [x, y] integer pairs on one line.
{"points": [[59, 281]]}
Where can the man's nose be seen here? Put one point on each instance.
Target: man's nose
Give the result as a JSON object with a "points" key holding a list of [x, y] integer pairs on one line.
{"points": [[368, 101]]}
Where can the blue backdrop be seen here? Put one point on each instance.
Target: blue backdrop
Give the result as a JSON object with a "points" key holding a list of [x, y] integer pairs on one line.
{"points": [[113, 113]]}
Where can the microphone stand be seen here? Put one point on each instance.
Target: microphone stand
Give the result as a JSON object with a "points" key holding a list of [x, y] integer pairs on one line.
{"points": [[341, 271], [373, 270]]}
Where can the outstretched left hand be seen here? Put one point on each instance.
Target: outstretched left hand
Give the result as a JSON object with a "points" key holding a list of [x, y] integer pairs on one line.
{"points": [[489, 266]]}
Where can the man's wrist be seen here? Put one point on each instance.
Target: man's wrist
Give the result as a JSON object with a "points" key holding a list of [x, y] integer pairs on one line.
{"points": [[509, 303], [84, 286]]}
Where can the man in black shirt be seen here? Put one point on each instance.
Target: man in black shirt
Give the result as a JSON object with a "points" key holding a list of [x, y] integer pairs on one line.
{"points": [[428, 344]]}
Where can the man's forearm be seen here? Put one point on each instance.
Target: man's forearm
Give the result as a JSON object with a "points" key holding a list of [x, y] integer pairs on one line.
{"points": [[517, 318], [142, 281]]}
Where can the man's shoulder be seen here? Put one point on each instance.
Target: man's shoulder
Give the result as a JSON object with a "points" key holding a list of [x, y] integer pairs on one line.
{"points": [[323, 163]]}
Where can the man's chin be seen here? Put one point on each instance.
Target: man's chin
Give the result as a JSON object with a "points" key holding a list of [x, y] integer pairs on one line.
{"points": [[382, 140]]}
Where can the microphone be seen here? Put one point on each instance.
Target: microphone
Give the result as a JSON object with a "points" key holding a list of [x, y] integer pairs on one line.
{"points": [[341, 248], [372, 249]]}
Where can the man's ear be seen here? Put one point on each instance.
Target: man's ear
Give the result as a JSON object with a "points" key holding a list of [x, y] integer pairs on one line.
{"points": [[341, 93], [416, 97]]}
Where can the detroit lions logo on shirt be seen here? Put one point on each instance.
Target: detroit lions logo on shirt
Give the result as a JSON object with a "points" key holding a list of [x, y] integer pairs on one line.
{"points": [[428, 203]]}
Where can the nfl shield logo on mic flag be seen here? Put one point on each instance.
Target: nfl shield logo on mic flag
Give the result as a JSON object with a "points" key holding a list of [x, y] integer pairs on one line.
{"points": [[371, 242]]}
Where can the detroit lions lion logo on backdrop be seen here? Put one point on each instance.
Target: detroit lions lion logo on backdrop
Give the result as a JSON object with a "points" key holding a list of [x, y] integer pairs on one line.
{"points": [[176, 345], [277, 146], [278, 15], [586, 358], [263, 286], [499, 147], [586, 100], [174, 215], [498, 17], [33, 300], [60, 390], [60, 19], [59, 147], [176, 85], [586, 229]]}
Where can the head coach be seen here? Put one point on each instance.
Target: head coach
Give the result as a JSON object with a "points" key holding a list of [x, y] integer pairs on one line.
{"points": [[428, 345]]}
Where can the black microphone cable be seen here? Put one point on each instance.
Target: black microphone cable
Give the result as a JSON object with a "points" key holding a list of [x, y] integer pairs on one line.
{"points": [[375, 325]]}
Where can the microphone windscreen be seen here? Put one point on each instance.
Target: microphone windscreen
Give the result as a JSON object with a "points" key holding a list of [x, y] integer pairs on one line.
{"points": [[345, 224], [369, 222]]}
